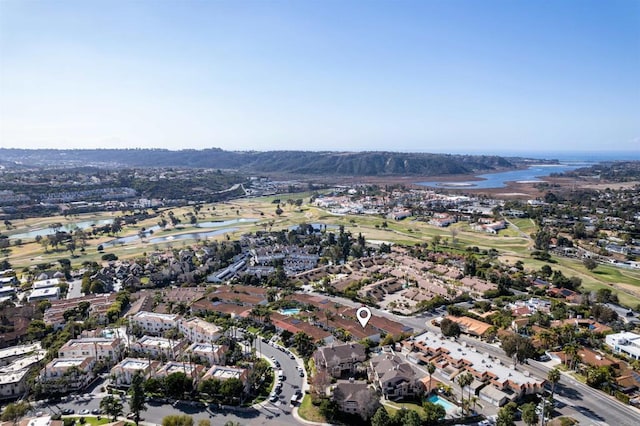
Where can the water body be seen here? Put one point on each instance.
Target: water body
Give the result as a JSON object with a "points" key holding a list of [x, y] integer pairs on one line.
{"points": [[225, 223], [499, 180], [65, 227], [191, 236]]}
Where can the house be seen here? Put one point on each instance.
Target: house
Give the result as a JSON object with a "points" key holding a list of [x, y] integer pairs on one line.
{"points": [[394, 377], [43, 421], [192, 370], [340, 360], [13, 384], [99, 348], [352, 397], [213, 354], [199, 330], [626, 343], [471, 326], [223, 373], [157, 347], [66, 374], [153, 323], [128, 367], [47, 293]]}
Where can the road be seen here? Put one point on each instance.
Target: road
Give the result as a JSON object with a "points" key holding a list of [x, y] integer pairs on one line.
{"points": [[278, 414], [75, 289]]}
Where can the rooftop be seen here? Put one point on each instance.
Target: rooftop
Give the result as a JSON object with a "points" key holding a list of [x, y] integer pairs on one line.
{"points": [[19, 350], [146, 315], [479, 361]]}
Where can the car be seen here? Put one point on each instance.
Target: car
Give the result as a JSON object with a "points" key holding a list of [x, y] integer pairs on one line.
{"points": [[96, 411], [130, 416], [291, 356], [67, 411], [84, 412], [39, 413], [301, 373], [274, 397]]}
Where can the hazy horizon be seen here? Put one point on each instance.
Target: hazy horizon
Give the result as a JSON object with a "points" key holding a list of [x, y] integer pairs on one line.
{"points": [[413, 76]]}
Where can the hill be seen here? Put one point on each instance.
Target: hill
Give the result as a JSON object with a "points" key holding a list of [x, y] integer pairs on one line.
{"points": [[293, 162]]}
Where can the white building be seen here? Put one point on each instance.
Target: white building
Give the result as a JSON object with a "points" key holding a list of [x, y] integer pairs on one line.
{"points": [[100, 348], [10, 354], [128, 367], [199, 330], [13, 384], [46, 283], [157, 346], [214, 354], [223, 373], [625, 343], [67, 374], [47, 293], [153, 323]]}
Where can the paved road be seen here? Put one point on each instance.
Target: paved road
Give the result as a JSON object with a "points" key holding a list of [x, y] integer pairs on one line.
{"points": [[75, 289]]}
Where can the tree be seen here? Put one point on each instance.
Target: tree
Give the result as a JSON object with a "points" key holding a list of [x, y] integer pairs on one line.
{"points": [[406, 417], [529, 415], [433, 413], [111, 406], [177, 420], [518, 347], [589, 263], [506, 415], [177, 384], [303, 344], [231, 389], [204, 422], [431, 368], [381, 418], [464, 380], [136, 404], [15, 411], [449, 328]]}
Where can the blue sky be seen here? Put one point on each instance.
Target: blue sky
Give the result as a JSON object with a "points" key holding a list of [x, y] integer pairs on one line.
{"points": [[434, 76]]}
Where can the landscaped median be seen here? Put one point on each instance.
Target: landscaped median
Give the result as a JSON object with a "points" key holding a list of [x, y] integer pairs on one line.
{"points": [[89, 420]]}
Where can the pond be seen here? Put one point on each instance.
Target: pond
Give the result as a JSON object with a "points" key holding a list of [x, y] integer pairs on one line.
{"points": [[65, 227]]}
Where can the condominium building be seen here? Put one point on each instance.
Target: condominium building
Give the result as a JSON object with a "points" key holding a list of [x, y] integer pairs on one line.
{"points": [[213, 354], [67, 374], [102, 349], [128, 367], [153, 323], [199, 330]]}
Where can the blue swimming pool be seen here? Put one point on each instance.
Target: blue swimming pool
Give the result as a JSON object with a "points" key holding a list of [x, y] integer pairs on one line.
{"points": [[290, 311], [448, 407]]}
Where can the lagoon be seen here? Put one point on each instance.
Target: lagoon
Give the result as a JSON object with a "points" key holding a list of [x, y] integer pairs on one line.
{"points": [[499, 180]]}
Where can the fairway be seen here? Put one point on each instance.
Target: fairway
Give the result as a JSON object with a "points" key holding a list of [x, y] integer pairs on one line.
{"points": [[513, 243]]}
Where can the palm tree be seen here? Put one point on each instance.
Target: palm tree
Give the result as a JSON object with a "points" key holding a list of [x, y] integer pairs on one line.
{"points": [[431, 368], [463, 380], [553, 377], [570, 350]]}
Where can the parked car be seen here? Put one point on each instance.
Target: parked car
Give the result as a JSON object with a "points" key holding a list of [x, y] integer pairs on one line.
{"points": [[68, 411], [84, 412], [274, 397], [96, 411]]}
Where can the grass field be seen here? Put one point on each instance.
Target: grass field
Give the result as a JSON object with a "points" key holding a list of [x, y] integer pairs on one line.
{"points": [[310, 412], [513, 243]]}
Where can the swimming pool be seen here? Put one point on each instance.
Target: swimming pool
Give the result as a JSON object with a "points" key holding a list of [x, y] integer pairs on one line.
{"points": [[448, 407], [290, 311]]}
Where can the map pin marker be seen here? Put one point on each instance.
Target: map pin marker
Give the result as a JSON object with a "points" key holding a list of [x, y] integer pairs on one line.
{"points": [[364, 315]]}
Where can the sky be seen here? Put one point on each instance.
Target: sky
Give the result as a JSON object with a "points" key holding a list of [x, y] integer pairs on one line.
{"points": [[487, 76]]}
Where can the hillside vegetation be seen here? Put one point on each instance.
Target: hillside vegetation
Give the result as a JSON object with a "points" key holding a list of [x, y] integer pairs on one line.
{"points": [[295, 162]]}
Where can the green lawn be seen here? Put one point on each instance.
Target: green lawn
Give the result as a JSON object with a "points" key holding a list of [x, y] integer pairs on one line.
{"points": [[310, 412], [93, 421], [393, 407]]}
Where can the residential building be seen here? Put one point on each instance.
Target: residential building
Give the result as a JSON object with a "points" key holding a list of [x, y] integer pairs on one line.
{"points": [[153, 323], [12, 353], [157, 347], [626, 343], [100, 348], [340, 360], [128, 367], [494, 382], [394, 377], [352, 396], [47, 293], [213, 354], [199, 330], [192, 370], [223, 373], [67, 374]]}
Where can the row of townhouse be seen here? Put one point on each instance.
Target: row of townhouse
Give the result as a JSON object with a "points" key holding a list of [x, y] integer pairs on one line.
{"points": [[124, 371], [15, 364], [494, 382]]}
